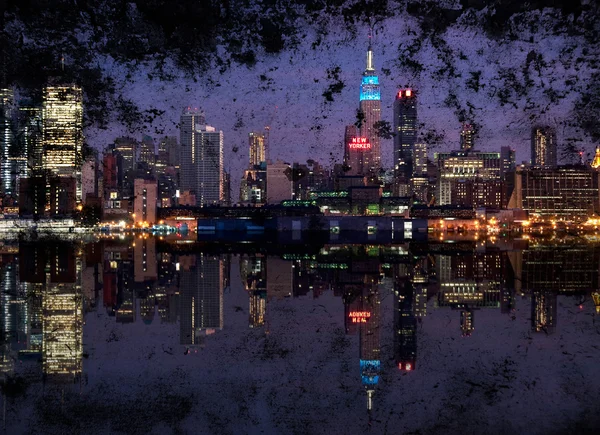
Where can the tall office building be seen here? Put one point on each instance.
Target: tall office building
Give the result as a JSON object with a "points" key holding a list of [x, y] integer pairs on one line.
{"points": [[467, 137], [7, 178], [257, 148], [405, 127], [63, 131], [370, 107], [543, 146]]}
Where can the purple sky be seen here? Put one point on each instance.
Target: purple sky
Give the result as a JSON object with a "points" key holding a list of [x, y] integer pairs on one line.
{"points": [[304, 126]]}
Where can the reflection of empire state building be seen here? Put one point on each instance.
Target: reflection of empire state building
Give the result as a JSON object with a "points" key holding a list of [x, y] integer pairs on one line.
{"points": [[370, 107], [366, 314]]}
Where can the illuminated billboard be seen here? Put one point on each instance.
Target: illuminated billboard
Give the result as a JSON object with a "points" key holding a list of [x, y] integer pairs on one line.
{"points": [[359, 144], [359, 316]]}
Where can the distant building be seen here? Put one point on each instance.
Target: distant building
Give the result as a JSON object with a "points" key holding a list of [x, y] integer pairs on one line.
{"points": [[126, 148], [543, 147], [168, 154], [226, 188], [279, 182], [569, 192], [253, 186], [508, 161], [467, 137], [30, 138], [145, 200], [257, 147], [147, 158], [419, 159]]}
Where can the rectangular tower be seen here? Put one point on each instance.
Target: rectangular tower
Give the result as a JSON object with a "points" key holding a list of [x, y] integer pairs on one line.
{"points": [[405, 127], [63, 131]]}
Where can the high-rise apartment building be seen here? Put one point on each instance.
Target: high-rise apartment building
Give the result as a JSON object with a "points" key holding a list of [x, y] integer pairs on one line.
{"points": [[543, 147], [201, 159], [370, 107], [405, 128], [257, 145], [63, 131]]}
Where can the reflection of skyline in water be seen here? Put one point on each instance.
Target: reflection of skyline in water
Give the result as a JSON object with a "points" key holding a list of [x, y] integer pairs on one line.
{"points": [[48, 289]]}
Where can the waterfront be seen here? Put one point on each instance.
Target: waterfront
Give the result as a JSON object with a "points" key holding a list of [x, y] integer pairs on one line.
{"points": [[142, 336]]}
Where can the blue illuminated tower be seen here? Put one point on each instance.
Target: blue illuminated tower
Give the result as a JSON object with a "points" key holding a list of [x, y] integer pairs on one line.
{"points": [[370, 107]]}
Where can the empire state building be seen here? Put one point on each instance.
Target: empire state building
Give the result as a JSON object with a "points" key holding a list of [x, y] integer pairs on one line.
{"points": [[370, 107]]}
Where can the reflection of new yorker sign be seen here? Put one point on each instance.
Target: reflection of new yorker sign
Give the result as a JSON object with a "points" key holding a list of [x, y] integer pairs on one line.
{"points": [[359, 316], [359, 144]]}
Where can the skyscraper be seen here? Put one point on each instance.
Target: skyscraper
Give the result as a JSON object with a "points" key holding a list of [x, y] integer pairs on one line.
{"points": [[405, 127], [201, 159], [30, 137], [467, 137], [63, 131], [7, 186], [257, 148], [543, 146], [370, 107]]}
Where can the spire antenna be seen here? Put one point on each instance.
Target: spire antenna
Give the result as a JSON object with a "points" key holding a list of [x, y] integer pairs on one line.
{"points": [[370, 51]]}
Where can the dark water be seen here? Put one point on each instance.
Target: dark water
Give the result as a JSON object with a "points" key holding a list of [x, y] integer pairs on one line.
{"points": [[141, 336]]}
